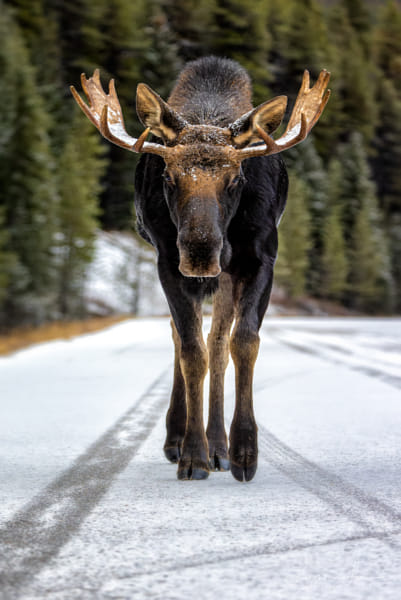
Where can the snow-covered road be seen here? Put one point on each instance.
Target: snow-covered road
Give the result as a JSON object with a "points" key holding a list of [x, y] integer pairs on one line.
{"points": [[90, 509]]}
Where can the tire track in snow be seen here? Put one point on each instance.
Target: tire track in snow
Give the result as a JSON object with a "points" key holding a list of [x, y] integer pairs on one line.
{"points": [[36, 533], [261, 550], [336, 355], [375, 517]]}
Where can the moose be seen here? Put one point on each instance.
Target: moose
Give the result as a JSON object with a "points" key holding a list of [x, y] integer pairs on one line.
{"points": [[210, 188]]}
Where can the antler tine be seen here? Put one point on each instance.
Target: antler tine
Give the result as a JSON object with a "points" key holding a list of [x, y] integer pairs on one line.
{"points": [[141, 140], [310, 101], [105, 129], [305, 82], [322, 107], [308, 107], [96, 78], [84, 107], [104, 111], [266, 138]]}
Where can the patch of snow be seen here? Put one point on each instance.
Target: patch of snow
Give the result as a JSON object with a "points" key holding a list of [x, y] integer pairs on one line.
{"points": [[320, 519], [122, 278]]}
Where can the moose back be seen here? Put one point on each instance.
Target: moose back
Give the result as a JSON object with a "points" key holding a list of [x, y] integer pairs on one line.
{"points": [[210, 190]]}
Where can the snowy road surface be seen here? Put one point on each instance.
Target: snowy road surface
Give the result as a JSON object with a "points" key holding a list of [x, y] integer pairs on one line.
{"points": [[90, 509]]}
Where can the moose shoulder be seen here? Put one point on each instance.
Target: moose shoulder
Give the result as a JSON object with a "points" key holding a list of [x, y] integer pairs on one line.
{"points": [[210, 190]]}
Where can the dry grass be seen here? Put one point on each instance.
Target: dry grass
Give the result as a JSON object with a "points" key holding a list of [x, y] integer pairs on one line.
{"points": [[23, 337]]}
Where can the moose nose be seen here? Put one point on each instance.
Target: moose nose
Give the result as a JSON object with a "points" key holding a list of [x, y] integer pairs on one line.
{"points": [[189, 270], [199, 255]]}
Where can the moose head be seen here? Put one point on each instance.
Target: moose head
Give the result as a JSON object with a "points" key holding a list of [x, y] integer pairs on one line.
{"points": [[203, 177]]}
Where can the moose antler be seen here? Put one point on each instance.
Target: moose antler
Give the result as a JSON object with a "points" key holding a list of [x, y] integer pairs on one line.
{"points": [[105, 112], [308, 107]]}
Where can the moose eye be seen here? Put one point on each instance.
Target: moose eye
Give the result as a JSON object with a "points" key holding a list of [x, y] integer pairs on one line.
{"points": [[168, 179], [238, 179]]}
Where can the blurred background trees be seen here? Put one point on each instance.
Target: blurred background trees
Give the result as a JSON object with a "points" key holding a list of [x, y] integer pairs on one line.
{"points": [[341, 233]]}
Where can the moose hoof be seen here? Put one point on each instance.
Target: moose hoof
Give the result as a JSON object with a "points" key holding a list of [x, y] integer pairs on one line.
{"points": [[189, 470], [243, 472], [218, 453], [243, 451], [197, 474], [219, 463], [173, 453], [218, 457]]}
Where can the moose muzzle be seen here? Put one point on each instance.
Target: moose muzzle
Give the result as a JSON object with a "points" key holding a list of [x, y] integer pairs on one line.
{"points": [[200, 240], [199, 259]]}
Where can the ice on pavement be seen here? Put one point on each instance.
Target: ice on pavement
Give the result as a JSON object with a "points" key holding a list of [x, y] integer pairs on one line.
{"points": [[321, 519]]}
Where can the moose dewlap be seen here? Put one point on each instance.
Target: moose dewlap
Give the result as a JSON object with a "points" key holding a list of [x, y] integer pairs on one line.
{"points": [[209, 192]]}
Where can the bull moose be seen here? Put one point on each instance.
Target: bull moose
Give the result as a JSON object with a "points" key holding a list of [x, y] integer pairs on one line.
{"points": [[210, 189]]}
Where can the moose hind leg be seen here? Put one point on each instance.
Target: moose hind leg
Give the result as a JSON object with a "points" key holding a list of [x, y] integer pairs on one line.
{"points": [[218, 345], [177, 413]]}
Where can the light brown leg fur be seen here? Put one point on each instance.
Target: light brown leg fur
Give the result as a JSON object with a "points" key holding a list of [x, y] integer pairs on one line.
{"points": [[194, 460], [218, 345], [176, 419]]}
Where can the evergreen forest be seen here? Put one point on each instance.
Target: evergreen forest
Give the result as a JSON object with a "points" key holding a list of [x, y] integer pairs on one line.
{"points": [[340, 237]]}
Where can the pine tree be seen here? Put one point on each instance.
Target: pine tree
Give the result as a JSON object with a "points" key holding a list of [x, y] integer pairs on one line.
{"points": [[387, 43], [127, 42], [240, 33], [360, 19], [39, 28], [356, 180], [306, 163], [7, 263], [149, 40], [108, 35], [300, 42], [160, 62], [387, 146], [334, 264], [294, 240], [367, 246], [394, 234], [192, 26], [353, 80], [334, 185], [80, 169], [29, 195], [370, 277]]}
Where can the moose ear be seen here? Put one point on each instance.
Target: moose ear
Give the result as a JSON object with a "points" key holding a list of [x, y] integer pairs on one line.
{"points": [[268, 116], [153, 112]]}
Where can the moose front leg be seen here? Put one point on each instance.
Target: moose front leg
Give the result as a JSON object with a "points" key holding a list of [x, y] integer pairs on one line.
{"points": [[243, 433], [194, 460], [191, 363], [251, 302], [218, 345]]}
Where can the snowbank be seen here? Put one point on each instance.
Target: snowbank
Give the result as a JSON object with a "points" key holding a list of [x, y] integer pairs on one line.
{"points": [[122, 278]]}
